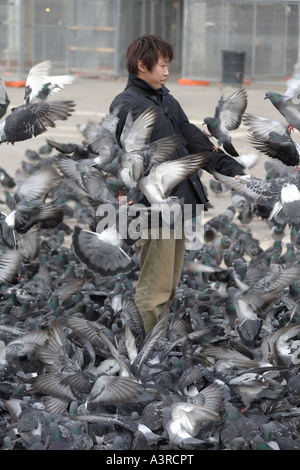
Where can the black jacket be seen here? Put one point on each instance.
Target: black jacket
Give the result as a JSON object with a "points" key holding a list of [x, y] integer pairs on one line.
{"points": [[171, 119]]}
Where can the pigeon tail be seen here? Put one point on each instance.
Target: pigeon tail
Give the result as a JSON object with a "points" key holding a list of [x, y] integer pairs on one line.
{"points": [[229, 148]]}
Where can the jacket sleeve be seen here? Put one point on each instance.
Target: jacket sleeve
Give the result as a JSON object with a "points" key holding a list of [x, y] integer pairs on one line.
{"points": [[197, 141]]}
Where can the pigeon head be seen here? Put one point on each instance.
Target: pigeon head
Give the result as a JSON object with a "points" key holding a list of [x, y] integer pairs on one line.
{"points": [[210, 122], [274, 97]]}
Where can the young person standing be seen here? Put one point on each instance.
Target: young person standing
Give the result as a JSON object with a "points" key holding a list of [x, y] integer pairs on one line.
{"points": [[161, 259]]}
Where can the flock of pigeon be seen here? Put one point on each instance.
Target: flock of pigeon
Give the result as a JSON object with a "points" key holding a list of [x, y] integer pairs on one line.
{"points": [[77, 370]]}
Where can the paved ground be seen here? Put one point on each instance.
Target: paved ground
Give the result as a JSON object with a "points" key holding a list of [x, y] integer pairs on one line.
{"points": [[93, 97]]}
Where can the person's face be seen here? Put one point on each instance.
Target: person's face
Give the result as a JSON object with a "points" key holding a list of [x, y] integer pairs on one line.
{"points": [[159, 74]]}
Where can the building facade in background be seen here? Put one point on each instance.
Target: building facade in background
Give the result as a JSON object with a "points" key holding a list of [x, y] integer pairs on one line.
{"points": [[90, 37]]}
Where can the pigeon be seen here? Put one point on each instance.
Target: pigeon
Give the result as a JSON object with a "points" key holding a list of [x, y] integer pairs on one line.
{"points": [[54, 352], [115, 390], [183, 420], [228, 359], [228, 116], [272, 138], [248, 325], [36, 186], [286, 210], [10, 264], [100, 138], [6, 180], [134, 328], [138, 154], [28, 207], [256, 190], [281, 346], [103, 253], [25, 216], [30, 120], [158, 184], [268, 286], [252, 386], [4, 99], [76, 151], [288, 103], [40, 85], [80, 171]]}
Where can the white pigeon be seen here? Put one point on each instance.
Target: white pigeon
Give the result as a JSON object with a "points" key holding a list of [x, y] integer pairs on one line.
{"points": [[40, 85]]}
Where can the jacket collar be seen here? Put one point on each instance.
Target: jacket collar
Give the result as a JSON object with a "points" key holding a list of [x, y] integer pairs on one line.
{"points": [[134, 81]]}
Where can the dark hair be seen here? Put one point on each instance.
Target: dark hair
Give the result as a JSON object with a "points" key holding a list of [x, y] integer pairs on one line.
{"points": [[147, 48]]}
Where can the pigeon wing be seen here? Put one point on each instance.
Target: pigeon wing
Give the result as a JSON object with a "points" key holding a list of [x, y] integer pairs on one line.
{"points": [[253, 189], [100, 256], [174, 171], [261, 126], [36, 79], [231, 112], [136, 133]]}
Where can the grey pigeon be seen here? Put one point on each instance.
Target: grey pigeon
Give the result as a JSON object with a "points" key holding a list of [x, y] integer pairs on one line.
{"points": [[28, 206], [115, 390], [287, 209], [288, 103], [183, 420], [249, 325], [103, 253], [100, 138], [25, 216], [138, 154], [281, 346], [30, 120], [228, 117], [10, 264], [4, 99], [77, 151], [163, 177], [251, 387], [256, 190], [272, 138]]}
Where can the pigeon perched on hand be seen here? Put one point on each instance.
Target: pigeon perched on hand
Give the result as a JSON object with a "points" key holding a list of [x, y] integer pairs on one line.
{"points": [[228, 117], [288, 103]]}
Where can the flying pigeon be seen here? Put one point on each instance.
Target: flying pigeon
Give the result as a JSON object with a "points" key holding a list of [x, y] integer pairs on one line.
{"points": [[228, 117], [26, 215], [272, 138], [288, 103], [100, 138], [28, 206], [30, 120], [77, 151], [158, 184], [40, 85], [103, 253]]}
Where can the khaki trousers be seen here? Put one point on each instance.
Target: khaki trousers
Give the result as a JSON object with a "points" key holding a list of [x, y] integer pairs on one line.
{"points": [[161, 262]]}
